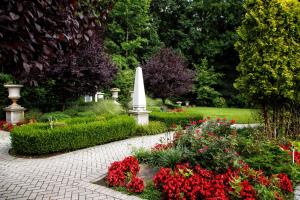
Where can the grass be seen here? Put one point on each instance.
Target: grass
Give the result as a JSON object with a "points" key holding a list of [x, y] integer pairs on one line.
{"points": [[241, 115], [149, 192]]}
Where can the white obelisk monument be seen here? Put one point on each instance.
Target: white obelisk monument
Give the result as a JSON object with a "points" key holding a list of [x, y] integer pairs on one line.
{"points": [[139, 99]]}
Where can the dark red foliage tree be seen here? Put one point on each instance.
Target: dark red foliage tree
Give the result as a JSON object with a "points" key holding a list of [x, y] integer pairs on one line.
{"points": [[55, 39], [34, 33], [89, 70], [166, 75]]}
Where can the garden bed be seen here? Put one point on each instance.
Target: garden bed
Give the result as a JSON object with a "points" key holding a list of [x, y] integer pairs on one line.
{"points": [[210, 160]]}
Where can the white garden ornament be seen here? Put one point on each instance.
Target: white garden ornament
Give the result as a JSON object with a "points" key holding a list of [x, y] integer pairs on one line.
{"points": [[14, 112], [115, 94], [139, 99]]}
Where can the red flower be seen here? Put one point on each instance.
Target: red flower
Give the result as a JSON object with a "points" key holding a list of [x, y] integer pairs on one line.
{"points": [[247, 191], [232, 121], [6, 126], [285, 183], [123, 173], [135, 185], [263, 180]]}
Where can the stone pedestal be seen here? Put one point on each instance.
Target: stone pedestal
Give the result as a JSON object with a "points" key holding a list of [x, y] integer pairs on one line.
{"points": [[142, 117], [14, 114]]}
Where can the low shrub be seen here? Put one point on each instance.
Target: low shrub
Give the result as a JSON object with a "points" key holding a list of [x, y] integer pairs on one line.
{"points": [[41, 139], [170, 118], [154, 127], [265, 154], [54, 116], [80, 120]]}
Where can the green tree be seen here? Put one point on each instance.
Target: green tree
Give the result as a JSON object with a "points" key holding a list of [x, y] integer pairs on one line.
{"points": [[201, 29], [206, 79], [124, 81], [130, 35], [269, 69]]}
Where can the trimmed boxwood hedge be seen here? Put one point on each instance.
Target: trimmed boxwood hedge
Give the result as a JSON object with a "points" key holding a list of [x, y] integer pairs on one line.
{"points": [[37, 139], [179, 118], [154, 127]]}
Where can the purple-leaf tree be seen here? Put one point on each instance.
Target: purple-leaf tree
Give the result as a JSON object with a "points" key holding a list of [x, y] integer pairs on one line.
{"points": [[166, 75], [43, 40], [90, 70]]}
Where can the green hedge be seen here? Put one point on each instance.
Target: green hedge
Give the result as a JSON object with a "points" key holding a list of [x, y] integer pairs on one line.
{"points": [[41, 139], [179, 118], [154, 127]]}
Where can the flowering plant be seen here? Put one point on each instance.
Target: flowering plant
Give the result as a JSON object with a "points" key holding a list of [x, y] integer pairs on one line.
{"points": [[5, 126], [186, 182], [124, 174]]}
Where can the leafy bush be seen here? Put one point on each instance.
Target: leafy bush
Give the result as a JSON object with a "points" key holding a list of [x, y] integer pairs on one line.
{"points": [[170, 118], [41, 139], [261, 153], [54, 116], [166, 158], [154, 127]]}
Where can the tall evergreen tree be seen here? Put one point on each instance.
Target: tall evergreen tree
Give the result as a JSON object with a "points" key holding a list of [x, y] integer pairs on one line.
{"points": [[130, 35], [269, 49]]}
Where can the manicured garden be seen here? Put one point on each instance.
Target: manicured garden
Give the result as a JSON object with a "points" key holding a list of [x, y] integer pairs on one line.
{"points": [[84, 125], [210, 160]]}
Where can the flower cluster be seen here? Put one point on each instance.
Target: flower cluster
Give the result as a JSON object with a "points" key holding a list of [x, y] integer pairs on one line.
{"points": [[186, 182], [124, 174], [160, 147], [285, 183], [5, 126]]}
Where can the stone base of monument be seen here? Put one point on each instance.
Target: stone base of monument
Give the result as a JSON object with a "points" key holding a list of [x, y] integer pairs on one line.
{"points": [[14, 114], [141, 117]]}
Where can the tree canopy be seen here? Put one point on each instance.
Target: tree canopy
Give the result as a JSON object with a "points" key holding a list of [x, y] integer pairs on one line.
{"points": [[130, 35], [166, 75], [269, 71]]}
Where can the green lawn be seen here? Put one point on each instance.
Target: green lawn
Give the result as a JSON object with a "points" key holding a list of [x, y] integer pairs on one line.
{"points": [[241, 115]]}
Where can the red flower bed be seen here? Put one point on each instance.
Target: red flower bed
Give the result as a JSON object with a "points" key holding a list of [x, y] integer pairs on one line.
{"points": [[124, 174], [5, 126], [186, 182]]}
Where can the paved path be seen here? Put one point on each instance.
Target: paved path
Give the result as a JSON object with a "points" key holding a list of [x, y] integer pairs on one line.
{"points": [[65, 176], [69, 175]]}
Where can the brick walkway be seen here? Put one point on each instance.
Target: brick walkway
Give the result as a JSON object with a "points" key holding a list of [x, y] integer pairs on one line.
{"points": [[65, 176], [69, 175]]}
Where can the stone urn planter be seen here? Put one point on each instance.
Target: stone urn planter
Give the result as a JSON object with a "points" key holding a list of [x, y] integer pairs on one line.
{"points": [[14, 112], [115, 94], [179, 103]]}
